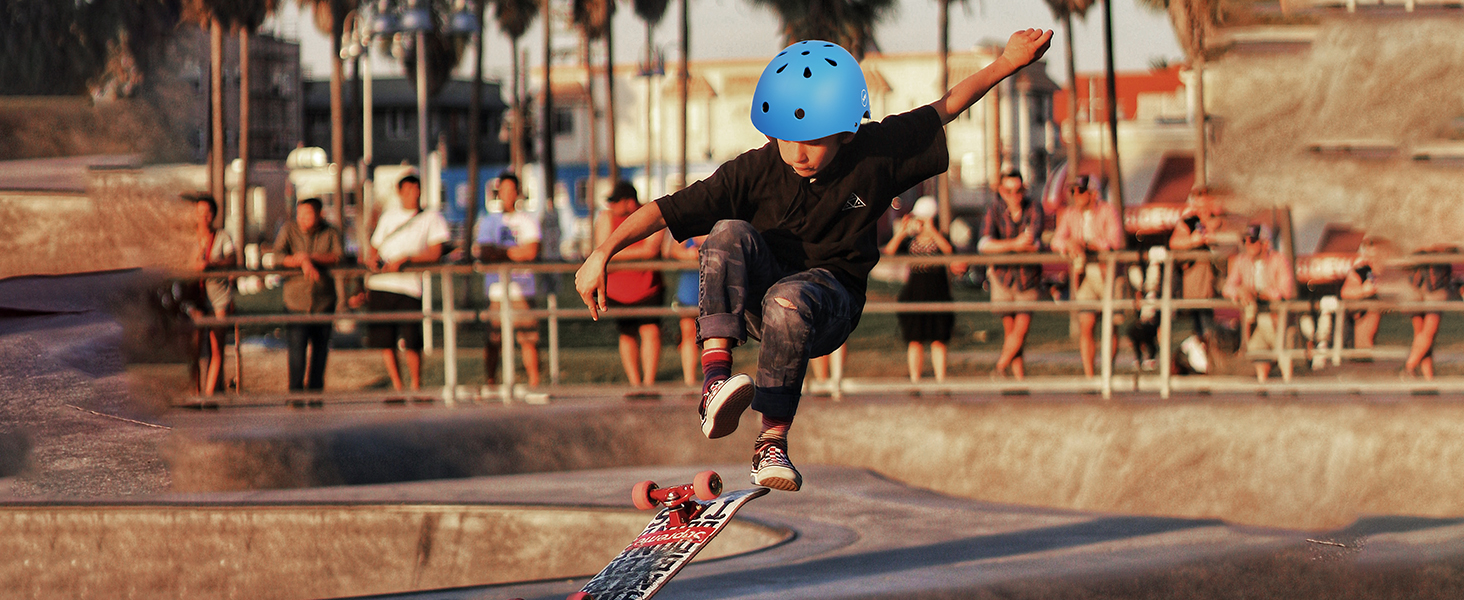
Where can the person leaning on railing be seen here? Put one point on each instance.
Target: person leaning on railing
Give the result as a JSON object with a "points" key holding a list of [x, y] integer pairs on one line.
{"points": [[515, 236], [310, 244], [404, 235], [1086, 227], [1429, 283], [1013, 224], [215, 251], [1260, 275], [1361, 284]]}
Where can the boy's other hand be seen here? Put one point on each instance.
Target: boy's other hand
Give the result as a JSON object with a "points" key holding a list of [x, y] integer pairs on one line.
{"points": [[589, 281], [1026, 46]]}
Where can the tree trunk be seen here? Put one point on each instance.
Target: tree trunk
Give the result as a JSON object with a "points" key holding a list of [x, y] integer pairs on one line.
{"points": [[650, 132], [547, 156], [1076, 157], [943, 50], [1112, 101], [516, 145], [593, 158], [475, 136], [338, 114], [684, 76], [612, 155], [216, 158], [236, 226]]}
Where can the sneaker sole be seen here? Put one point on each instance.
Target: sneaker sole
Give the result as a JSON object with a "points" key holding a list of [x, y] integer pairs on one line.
{"points": [[778, 483], [725, 409]]}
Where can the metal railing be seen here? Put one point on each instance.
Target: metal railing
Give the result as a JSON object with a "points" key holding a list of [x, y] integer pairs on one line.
{"points": [[451, 317]]}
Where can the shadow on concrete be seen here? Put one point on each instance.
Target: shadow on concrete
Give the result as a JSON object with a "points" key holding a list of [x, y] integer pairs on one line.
{"points": [[971, 549]]}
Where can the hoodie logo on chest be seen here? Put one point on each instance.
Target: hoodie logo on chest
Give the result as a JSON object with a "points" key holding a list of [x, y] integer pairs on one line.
{"points": [[854, 202]]}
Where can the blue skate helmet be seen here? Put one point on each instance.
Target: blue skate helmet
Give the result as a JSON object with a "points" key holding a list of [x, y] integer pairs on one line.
{"points": [[810, 90]]}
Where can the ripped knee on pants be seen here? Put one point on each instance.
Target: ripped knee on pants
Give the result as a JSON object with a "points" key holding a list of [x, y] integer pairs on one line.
{"points": [[785, 303]]}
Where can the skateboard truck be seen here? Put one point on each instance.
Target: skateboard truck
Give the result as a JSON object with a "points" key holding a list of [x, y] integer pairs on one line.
{"points": [[706, 486]]}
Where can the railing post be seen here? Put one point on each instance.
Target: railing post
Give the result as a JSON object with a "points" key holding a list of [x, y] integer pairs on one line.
{"points": [[449, 341], [1166, 326], [1283, 351], [836, 373], [1339, 323], [1106, 352], [505, 331], [554, 338], [427, 343]]}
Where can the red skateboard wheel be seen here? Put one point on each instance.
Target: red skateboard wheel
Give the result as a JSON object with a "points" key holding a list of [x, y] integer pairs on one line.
{"points": [[641, 495], [707, 485]]}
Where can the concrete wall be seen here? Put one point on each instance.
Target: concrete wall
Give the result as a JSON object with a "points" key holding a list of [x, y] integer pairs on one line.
{"points": [[1291, 464], [288, 552]]}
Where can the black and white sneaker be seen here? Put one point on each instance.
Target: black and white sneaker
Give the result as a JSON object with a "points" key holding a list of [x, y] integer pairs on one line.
{"points": [[723, 404], [771, 467]]}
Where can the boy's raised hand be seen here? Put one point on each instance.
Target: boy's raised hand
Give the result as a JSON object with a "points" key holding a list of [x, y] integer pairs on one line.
{"points": [[1026, 46]]}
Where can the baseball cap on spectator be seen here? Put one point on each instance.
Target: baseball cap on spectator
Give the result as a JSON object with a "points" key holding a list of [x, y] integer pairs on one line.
{"points": [[1256, 232], [925, 208]]}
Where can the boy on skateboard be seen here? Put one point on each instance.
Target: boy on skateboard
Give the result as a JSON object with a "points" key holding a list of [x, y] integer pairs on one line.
{"points": [[791, 229]]}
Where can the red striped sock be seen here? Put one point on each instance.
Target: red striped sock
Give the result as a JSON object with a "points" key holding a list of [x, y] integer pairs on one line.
{"points": [[716, 366], [773, 428]]}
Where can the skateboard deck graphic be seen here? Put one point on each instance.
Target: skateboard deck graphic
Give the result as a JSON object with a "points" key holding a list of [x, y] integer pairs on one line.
{"points": [[664, 548]]}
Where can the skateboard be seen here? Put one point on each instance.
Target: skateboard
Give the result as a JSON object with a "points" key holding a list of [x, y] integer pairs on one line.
{"points": [[691, 515]]}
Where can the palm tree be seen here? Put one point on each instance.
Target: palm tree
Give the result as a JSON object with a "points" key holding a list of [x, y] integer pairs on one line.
{"points": [[848, 23], [592, 17], [1111, 100], [1064, 10], [330, 17], [245, 16], [650, 11], [513, 18], [1193, 21]]}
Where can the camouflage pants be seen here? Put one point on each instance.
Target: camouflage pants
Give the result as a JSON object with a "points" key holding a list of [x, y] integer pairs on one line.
{"points": [[797, 315]]}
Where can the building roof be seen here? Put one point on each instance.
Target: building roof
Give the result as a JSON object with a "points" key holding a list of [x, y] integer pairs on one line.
{"points": [[394, 92], [1130, 86]]}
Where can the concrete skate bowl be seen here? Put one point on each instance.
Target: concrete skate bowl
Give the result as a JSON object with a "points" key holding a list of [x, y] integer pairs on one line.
{"points": [[313, 551], [1291, 464]]}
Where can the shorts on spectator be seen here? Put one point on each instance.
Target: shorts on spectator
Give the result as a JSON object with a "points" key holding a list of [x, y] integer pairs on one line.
{"points": [[1263, 337], [1001, 292], [525, 328], [631, 325], [385, 335], [1091, 287], [1419, 294]]}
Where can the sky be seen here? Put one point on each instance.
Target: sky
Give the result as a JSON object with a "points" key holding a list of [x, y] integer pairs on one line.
{"points": [[737, 29]]}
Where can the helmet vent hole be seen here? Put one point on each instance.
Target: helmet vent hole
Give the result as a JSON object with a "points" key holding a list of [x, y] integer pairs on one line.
{"points": [[805, 53], [798, 113], [831, 62], [807, 73], [765, 107], [780, 69], [866, 113]]}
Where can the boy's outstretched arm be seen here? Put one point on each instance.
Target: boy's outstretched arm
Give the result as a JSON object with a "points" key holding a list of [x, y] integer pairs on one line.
{"points": [[589, 280], [1021, 50]]}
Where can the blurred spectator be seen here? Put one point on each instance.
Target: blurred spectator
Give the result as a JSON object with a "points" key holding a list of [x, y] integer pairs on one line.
{"points": [[215, 251], [640, 337], [1013, 224], [688, 293], [1086, 227], [1361, 284], [1429, 283], [1199, 228], [917, 235], [404, 235], [511, 235], [1258, 276], [312, 245]]}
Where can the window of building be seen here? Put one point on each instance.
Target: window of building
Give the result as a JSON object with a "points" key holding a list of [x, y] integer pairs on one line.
{"points": [[398, 125], [563, 121]]}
